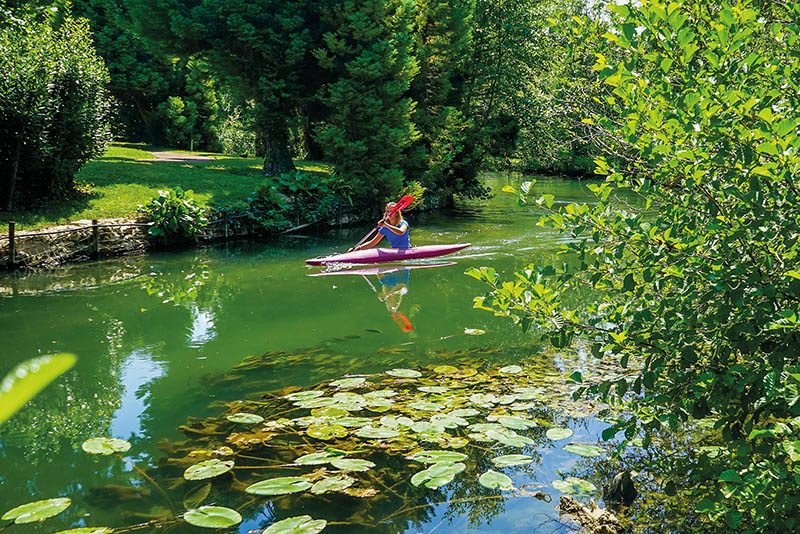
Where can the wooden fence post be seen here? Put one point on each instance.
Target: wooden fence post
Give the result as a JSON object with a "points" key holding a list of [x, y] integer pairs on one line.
{"points": [[12, 253], [95, 239]]}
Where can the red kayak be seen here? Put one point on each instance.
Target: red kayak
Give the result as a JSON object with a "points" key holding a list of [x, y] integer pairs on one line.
{"points": [[382, 255]]}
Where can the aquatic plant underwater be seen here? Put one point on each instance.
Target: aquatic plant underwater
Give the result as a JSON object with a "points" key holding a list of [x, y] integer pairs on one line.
{"points": [[370, 451]]}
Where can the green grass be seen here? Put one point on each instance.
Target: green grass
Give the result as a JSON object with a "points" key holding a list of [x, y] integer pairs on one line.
{"points": [[127, 175]]}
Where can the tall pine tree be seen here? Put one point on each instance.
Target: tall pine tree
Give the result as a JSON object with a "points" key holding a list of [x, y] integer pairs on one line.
{"points": [[368, 127]]}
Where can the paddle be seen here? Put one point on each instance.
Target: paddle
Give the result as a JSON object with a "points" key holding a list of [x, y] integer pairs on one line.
{"points": [[403, 203]]}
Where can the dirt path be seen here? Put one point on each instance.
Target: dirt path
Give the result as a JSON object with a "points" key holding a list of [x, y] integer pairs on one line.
{"points": [[176, 156]]}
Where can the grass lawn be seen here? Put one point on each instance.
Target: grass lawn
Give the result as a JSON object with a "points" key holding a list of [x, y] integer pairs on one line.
{"points": [[128, 175]]}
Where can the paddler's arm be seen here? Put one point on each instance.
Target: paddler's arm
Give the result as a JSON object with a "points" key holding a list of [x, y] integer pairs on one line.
{"points": [[399, 230], [369, 244]]}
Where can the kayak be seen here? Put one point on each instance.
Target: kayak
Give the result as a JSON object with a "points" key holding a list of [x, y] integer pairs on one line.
{"points": [[383, 269], [382, 255]]}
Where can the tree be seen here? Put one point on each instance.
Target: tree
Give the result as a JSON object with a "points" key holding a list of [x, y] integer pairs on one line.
{"points": [[442, 47], [54, 108], [261, 47], [368, 126], [699, 285]]}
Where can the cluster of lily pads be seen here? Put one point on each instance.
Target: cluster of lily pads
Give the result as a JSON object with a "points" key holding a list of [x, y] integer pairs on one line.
{"points": [[432, 419]]}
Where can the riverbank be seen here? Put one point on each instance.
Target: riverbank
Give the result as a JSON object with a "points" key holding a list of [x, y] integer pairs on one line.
{"points": [[127, 175]]}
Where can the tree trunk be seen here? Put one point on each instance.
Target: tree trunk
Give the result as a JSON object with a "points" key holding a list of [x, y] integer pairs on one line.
{"points": [[277, 159], [313, 150], [11, 177]]}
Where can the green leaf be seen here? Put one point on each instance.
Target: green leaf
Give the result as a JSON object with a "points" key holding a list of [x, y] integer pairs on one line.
{"points": [[492, 480], [438, 474], [105, 446], [404, 373], [575, 486], [516, 423], [37, 510], [730, 475], [279, 486], [304, 395], [511, 370], [584, 450], [326, 432], [558, 433], [208, 469], [247, 418], [196, 496], [302, 524], [379, 432], [548, 200], [352, 464], [29, 378], [348, 382], [315, 458], [430, 457], [212, 517], [512, 459]]}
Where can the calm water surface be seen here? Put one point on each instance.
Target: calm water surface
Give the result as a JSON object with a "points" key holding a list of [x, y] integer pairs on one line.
{"points": [[156, 337]]}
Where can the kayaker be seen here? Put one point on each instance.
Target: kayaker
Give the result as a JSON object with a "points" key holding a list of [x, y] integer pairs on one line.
{"points": [[394, 228]]}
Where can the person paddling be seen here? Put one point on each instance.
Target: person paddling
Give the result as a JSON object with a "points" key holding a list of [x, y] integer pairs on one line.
{"points": [[393, 227]]}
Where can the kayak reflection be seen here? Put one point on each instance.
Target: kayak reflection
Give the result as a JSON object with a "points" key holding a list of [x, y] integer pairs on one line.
{"points": [[394, 285]]}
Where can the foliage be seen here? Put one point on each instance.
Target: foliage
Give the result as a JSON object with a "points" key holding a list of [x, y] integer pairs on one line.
{"points": [[29, 378], [236, 137], [697, 283], [368, 125], [175, 214], [54, 108]]}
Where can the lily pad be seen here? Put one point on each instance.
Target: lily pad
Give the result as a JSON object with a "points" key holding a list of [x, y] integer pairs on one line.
{"points": [[380, 393], [37, 510], [511, 369], [302, 524], [315, 458], [427, 427], [279, 486], [492, 480], [484, 400], [516, 423], [438, 474], [353, 422], [195, 496], [320, 402], [575, 486], [212, 517], [247, 418], [512, 459], [348, 382], [352, 464], [87, 530], [432, 457], [404, 373], [378, 432], [474, 331], [326, 432], [329, 411], [588, 451], [337, 483], [208, 469], [424, 406], [464, 412], [304, 395], [433, 389], [558, 433], [445, 370], [509, 437], [105, 446], [448, 420]]}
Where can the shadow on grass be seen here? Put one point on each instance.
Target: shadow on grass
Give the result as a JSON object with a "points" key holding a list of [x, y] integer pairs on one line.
{"points": [[115, 184]]}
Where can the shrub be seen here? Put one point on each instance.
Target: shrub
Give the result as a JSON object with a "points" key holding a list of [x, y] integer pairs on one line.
{"points": [[54, 109], [175, 215]]}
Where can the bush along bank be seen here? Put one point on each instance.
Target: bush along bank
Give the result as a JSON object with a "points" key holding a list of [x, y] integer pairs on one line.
{"points": [[174, 219]]}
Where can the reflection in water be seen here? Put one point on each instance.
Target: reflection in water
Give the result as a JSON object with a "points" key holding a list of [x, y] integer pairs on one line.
{"points": [[395, 283], [137, 372]]}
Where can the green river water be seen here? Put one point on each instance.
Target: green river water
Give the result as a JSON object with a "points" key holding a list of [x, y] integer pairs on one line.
{"points": [[157, 338]]}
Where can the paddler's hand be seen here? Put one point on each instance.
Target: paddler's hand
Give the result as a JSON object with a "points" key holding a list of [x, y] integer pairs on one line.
{"points": [[381, 223], [351, 249]]}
